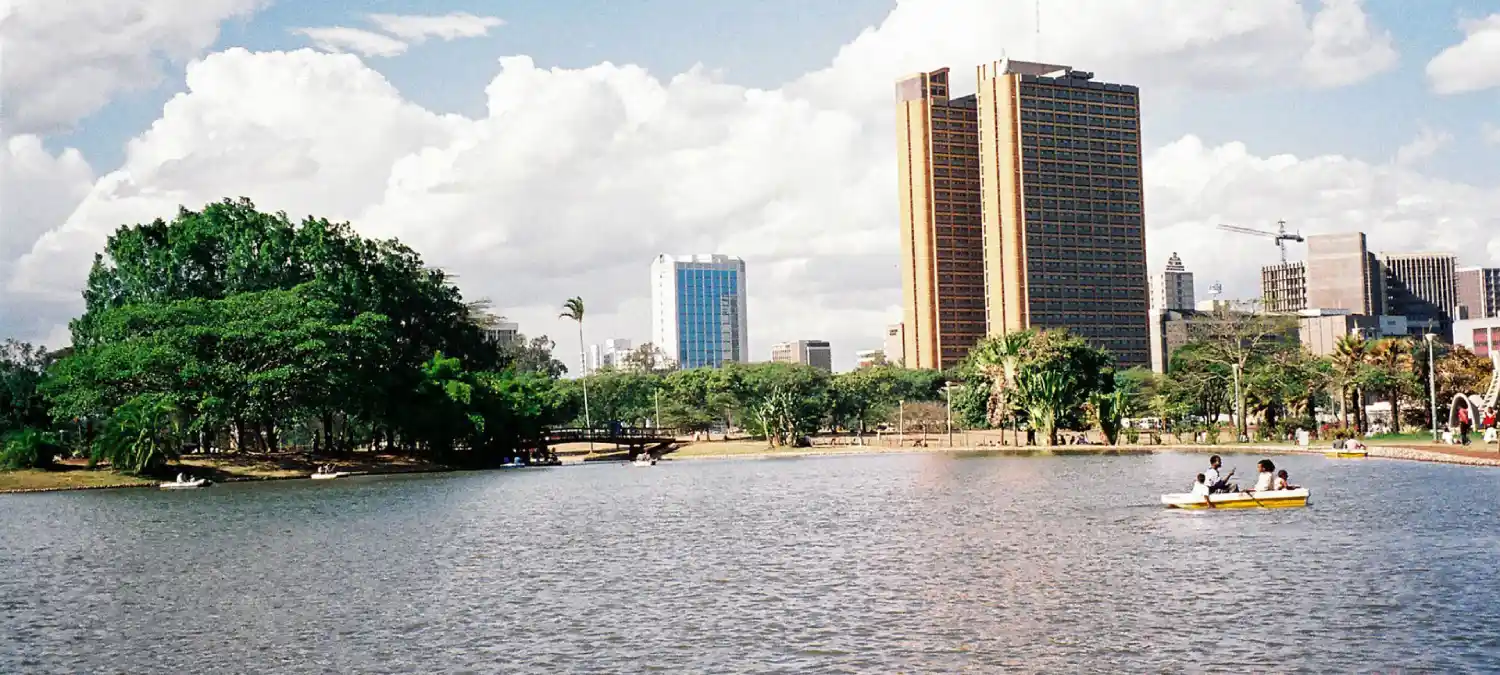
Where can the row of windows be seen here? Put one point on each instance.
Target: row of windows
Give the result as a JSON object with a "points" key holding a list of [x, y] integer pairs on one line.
{"points": [[1126, 138], [1041, 91], [1095, 107], [1048, 204], [1039, 217], [1096, 156], [959, 173], [952, 160], [1122, 170], [1117, 192], [955, 149], [1097, 116], [1129, 184], [1061, 132]]}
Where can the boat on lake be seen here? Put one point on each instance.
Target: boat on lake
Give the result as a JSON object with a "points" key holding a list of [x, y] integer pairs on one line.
{"points": [[1270, 499], [186, 484], [1347, 454], [643, 460], [328, 475]]}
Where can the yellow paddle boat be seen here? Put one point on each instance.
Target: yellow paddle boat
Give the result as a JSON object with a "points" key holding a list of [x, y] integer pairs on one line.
{"points": [[1272, 499], [1347, 454]]}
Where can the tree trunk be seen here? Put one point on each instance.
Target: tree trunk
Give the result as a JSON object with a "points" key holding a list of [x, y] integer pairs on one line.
{"points": [[1395, 411]]}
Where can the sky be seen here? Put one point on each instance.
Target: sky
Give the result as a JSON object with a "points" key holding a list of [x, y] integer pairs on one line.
{"points": [[542, 149]]}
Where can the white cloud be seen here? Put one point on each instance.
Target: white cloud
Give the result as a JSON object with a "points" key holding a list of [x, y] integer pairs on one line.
{"points": [[1471, 65], [1427, 143], [64, 59], [342, 39], [1490, 133], [415, 28], [38, 190], [575, 179]]}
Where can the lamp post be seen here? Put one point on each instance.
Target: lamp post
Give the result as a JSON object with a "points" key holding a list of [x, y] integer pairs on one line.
{"points": [[901, 423], [1431, 383], [657, 422], [1239, 407], [948, 396]]}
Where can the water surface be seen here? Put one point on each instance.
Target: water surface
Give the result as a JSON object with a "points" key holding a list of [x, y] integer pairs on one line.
{"points": [[910, 563]]}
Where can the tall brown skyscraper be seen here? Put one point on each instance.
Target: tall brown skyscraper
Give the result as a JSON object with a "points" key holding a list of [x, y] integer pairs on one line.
{"points": [[942, 268], [1057, 163]]}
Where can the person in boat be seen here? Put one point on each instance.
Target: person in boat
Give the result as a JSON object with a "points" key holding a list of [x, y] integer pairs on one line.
{"points": [[1200, 488], [1217, 483], [1265, 480], [181, 477], [1281, 481]]}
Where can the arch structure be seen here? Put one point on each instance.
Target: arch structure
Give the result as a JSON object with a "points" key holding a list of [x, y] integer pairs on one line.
{"points": [[1478, 403]]}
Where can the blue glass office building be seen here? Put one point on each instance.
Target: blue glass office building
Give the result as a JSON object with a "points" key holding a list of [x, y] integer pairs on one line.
{"points": [[698, 309]]}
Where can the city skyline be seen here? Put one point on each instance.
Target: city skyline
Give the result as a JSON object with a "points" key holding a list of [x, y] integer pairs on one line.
{"points": [[550, 174]]}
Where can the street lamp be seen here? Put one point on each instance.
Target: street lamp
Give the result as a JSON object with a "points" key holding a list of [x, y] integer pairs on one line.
{"points": [[1431, 383], [948, 395], [1239, 407]]}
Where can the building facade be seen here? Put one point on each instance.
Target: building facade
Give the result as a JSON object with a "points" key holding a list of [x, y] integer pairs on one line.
{"points": [[1173, 288], [1342, 274], [1423, 287], [869, 358], [1283, 287], [815, 353], [1021, 208], [613, 353], [502, 331], [895, 338], [1481, 336], [942, 268], [698, 312], [1478, 292]]}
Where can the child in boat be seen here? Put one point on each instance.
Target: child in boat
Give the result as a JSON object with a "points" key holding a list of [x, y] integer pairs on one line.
{"points": [[1200, 488], [1265, 481], [1281, 481]]}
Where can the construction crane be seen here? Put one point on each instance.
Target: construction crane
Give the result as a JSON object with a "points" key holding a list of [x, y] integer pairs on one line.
{"points": [[1280, 235]]}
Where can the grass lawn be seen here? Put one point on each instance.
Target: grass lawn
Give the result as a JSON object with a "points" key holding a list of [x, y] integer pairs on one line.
{"points": [[67, 478]]}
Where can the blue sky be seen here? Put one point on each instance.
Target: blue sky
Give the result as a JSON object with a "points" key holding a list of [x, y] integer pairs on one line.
{"points": [[768, 42]]}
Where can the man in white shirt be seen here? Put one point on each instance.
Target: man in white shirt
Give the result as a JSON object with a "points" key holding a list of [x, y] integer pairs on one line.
{"points": [[1215, 482]]}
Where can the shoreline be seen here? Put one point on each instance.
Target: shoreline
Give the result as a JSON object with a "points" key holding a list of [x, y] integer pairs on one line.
{"points": [[1374, 452]]}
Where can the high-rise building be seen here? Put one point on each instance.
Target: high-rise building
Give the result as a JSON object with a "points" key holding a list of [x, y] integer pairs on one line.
{"points": [[815, 353], [942, 268], [1423, 287], [1173, 288], [1021, 208], [1283, 287], [895, 337], [1479, 292], [1342, 274], [611, 354], [1060, 174], [698, 309]]}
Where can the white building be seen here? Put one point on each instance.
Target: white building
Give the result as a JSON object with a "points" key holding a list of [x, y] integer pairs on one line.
{"points": [[895, 341], [1173, 288], [502, 331], [611, 354], [698, 313], [815, 353]]}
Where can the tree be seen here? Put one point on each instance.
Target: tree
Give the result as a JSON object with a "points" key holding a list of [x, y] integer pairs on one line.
{"points": [[1108, 413], [1236, 341], [1044, 394], [573, 310], [999, 360], [141, 435], [532, 355], [1201, 384], [1349, 368], [1392, 359], [22, 369]]}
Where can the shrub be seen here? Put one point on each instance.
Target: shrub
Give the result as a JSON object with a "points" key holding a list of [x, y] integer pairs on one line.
{"points": [[1212, 434], [1132, 435], [28, 449]]}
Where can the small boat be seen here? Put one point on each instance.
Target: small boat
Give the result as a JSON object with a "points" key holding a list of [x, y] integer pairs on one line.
{"points": [[1271, 499], [328, 475], [644, 460], [512, 465], [1347, 454], [186, 484]]}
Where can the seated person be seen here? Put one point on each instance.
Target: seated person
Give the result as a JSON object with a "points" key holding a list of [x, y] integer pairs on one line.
{"points": [[1216, 483], [1281, 481], [1265, 480], [1200, 488]]}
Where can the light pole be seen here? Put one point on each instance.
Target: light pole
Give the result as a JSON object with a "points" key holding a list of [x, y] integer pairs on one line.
{"points": [[901, 422], [657, 422], [948, 395], [1431, 383], [1239, 407]]}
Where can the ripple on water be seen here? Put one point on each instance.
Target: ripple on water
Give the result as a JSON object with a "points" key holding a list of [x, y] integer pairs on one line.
{"points": [[856, 564]]}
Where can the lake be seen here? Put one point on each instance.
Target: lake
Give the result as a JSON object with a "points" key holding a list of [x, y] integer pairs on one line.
{"points": [[901, 563]]}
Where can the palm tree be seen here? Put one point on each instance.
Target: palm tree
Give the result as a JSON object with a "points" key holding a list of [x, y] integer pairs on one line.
{"points": [[1043, 393], [573, 309], [1392, 357], [1348, 356], [1000, 361]]}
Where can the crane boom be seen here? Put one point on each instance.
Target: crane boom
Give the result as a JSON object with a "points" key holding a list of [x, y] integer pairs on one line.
{"points": [[1280, 235]]}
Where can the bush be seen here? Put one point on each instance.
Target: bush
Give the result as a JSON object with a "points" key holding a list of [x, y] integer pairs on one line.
{"points": [[1132, 435], [28, 449], [1211, 434]]}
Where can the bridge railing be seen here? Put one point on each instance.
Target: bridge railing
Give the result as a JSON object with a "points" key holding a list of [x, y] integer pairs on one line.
{"points": [[608, 434]]}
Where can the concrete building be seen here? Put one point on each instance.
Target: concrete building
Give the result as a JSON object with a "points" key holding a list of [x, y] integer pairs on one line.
{"points": [[1478, 293], [942, 268], [1423, 287], [698, 313], [611, 354], [1342, 274], [895, 338], [1168, 331], [1283, 287], [815, 353], [869, 358], [1481, 336], [502, 331], [1021, 207], [1173, 288], [1237, 306]]}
